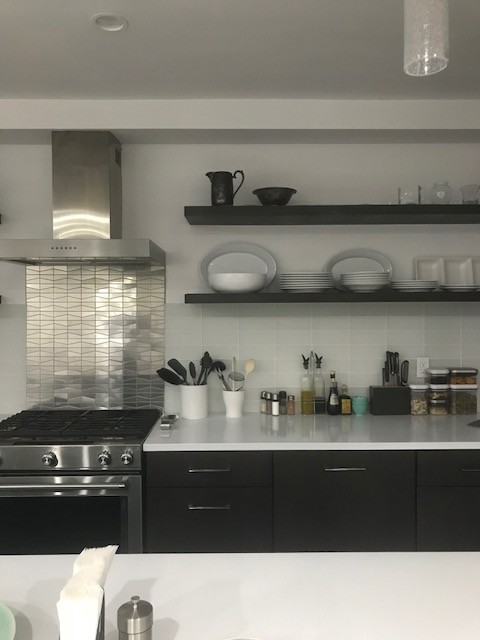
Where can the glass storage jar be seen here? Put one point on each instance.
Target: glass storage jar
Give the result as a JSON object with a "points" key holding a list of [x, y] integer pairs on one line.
{"points": [[437, 407], [437, 376], [438, 391], [441, 193], [463, 399], [418, 399], [463, 375]]}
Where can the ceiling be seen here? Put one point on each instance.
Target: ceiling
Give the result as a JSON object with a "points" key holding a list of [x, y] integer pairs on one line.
{"points": [[337, 49]]}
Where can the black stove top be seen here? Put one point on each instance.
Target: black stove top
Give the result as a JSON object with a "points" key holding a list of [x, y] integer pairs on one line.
{"points": [[77, 425]]}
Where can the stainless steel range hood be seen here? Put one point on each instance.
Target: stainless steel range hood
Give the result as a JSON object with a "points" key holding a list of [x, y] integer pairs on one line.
{"points": [[87, 208]]}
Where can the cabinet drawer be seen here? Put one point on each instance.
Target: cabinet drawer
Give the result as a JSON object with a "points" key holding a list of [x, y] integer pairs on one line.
{"points": [[209, 469], [209, 520], [448, 468]]}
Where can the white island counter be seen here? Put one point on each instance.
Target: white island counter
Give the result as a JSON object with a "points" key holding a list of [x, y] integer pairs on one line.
{"points": [[255, 431], [311, 596]]}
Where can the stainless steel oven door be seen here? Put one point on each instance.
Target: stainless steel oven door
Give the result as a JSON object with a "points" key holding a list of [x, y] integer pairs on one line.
{"points": [[59, 513]]}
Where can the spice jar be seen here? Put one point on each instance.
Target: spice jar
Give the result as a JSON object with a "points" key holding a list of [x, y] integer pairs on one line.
{"points": [[291, 406], [418, 399], [135, 620], [282, 396], [437, 376], [463, 375], [463, 399], [438, 407]]}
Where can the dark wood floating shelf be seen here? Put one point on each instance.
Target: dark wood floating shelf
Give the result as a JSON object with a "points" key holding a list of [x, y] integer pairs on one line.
{"points": [[334, 214], [332, 295]]}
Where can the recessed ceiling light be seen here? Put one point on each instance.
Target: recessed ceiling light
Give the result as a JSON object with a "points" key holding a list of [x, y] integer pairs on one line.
{"points": [[110, 22]]}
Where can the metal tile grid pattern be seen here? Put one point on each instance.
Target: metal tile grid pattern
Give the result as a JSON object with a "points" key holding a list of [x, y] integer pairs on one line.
{"points": [[95, 336]]}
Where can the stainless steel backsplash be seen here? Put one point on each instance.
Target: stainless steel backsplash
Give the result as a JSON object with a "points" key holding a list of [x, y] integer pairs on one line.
{"points": [[95, 336]]}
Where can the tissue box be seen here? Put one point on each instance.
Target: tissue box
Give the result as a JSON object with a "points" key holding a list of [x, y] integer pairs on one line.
{"points": [[389, 401]]}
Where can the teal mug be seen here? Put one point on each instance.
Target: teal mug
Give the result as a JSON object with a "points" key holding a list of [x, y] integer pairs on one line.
{"points": [[359, 405]]}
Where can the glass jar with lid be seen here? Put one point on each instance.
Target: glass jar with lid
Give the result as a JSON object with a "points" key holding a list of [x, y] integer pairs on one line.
{"points": [[463, 375], [463, 399], [438, 391], [437, 407], [437, 376], [441, 193], [418, 399]]}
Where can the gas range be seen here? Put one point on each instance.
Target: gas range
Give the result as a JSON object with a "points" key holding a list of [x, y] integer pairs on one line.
{"points": [[75, 440]]}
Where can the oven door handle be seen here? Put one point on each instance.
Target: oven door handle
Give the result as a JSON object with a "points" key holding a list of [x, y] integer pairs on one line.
{"points": [[61, 487]]}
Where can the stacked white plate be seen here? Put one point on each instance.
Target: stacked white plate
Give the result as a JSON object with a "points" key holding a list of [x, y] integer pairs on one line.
{"points": [[305, 281], [365, 281], [459, 287], [415, 285]]}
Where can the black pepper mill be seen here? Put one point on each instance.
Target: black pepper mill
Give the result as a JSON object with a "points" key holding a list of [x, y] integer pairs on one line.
{"points": [[222, 186]]}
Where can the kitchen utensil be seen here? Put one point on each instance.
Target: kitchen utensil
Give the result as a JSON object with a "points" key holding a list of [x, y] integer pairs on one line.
{"points": [[249, 366], [218, 366], [205, 364], [238, 257], [236, 282], [274, 195], [222, 186], [193, 372], [135, 620], [236, 377], [178, 367], [169, 376], [404, 367]]}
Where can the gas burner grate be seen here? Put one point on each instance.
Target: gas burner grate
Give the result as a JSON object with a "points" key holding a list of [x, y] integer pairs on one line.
{"points": [[118, 424]]}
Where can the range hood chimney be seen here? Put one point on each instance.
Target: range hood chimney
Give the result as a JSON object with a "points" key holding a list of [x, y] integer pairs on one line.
{"points": [[87, 208]]}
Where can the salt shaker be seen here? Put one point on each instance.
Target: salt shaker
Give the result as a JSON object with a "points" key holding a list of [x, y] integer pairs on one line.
{"points": [[135, 620]]}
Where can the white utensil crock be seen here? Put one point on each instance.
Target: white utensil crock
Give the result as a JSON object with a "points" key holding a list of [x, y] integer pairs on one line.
{"points": [[233, 403], [194, 400]]}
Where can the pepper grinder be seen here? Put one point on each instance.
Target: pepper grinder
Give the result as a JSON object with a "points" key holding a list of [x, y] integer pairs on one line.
{"points": [[135, 620]]}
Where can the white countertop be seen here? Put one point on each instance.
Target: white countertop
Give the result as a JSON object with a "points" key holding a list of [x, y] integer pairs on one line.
{"points": [[256, 431], [311, 596]]}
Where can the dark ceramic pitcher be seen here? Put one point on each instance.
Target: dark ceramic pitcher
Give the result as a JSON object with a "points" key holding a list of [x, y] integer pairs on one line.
{"points": [[222, 186]]}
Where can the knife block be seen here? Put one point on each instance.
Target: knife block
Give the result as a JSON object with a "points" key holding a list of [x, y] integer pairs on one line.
{"points": [[389, 401]]}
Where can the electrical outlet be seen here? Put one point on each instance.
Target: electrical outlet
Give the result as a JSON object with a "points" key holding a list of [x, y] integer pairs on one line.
{"points": [[422, 366]]}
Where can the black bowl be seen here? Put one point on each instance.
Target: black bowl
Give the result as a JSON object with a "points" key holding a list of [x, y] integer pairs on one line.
{"points": [[274, 195]]}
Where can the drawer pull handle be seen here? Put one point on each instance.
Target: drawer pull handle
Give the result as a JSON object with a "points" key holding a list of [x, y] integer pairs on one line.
{"points": [[345, 469], [224, 470], [466, 469], [195, 507]]}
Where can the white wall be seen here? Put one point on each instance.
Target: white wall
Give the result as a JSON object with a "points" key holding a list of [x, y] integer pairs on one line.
{"points": [[159, 180]]}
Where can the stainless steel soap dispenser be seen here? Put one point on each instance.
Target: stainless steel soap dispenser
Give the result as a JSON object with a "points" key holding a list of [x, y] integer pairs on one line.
{"points": [[135, 620]]}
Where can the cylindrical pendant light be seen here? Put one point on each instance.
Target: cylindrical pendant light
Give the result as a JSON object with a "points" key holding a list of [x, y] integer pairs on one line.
{"points": [[425, 37]]}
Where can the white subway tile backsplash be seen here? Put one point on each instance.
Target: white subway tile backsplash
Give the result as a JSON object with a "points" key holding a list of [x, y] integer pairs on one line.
{"points": [[368, 337], [352, 338]]}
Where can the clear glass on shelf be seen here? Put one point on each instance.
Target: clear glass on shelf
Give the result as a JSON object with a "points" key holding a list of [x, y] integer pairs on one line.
{"points": [[441, 193]]}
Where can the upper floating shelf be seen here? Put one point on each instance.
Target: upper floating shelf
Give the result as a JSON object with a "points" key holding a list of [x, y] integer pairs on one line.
{"points": [[341, 214]]}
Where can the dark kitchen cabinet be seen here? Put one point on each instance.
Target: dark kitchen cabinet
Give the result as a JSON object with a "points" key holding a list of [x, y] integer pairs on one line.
{"points": [[344, 501], [208, 502], [448, 500]]}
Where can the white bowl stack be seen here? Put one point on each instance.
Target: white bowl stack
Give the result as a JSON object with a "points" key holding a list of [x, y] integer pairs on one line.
{"points": [[305, 281], [365, 281]]}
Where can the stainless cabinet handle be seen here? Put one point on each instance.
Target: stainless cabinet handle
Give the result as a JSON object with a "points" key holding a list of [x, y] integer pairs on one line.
{"points": [[224, 470], [61, 487], [466, 469], [345, 469], [194, 507]]}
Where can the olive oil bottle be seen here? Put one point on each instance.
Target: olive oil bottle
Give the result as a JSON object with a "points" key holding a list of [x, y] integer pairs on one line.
{"points": [[307, 394]]}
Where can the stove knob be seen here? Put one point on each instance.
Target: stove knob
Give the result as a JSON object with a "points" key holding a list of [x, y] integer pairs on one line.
{"points": [[104, 458], [50, 459], [127, 457]]}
